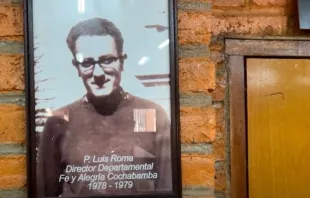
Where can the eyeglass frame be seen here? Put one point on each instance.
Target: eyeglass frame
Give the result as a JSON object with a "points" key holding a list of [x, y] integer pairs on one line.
{"points": [[75, 62]]}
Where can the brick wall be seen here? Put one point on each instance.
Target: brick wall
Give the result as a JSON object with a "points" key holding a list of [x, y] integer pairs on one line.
{"points": [[202, 26]]}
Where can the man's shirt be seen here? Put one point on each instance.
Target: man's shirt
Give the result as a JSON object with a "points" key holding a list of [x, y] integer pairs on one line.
{"points": [[88, 153]]}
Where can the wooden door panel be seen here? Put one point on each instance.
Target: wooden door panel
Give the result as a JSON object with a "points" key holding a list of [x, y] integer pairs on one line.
{"points": [[278, 112]]}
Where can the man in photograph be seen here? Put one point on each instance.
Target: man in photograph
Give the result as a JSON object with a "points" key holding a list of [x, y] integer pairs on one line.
{"points": [[108, 138]]}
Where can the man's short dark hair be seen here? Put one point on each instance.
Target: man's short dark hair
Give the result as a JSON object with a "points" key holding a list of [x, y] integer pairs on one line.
{"points": [[95, 27]]}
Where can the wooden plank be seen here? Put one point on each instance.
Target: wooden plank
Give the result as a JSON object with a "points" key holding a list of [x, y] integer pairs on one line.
{"points": [[278, 127], [237, 50], [263, 48], [303, 48], [238, 127]]}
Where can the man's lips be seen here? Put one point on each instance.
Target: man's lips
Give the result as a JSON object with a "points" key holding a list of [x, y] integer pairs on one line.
{"points": [[100, 83]]}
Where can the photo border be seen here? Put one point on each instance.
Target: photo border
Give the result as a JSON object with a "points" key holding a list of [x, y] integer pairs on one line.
{"points": [[174, 101]]}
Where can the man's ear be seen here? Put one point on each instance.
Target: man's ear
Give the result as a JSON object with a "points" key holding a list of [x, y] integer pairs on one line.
{"points": [[123, 57], [74, 63]]}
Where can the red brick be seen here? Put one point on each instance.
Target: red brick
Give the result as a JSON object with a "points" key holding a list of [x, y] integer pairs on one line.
{"points": [[219, 93], [197, 124], [217, 57], [220, 179], [14, 181], [198, 170], [196, 75], [270, 2], [254, 11], [262, 25], [196, 1], [220, 121], [11, 22], [194, 27], [12, 124], [12, 38], [229, 3], [216, 46], [12, 172], [219, 149], [219, 143], [11, 72]]}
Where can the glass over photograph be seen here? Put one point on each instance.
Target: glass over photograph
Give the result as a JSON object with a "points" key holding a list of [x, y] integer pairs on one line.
{"points": [[102, 97]]}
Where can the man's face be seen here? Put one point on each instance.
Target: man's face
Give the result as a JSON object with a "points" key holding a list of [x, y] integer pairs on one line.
{"points": [[98, 64]]}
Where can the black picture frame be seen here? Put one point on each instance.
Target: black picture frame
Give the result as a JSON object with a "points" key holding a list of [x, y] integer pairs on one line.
{"points": [[29, 61]]}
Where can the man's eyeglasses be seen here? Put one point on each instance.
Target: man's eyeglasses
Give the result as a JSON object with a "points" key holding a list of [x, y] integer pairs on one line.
{"points": [[103, 61]]}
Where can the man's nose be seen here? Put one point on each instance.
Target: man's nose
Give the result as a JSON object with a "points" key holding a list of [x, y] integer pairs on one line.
{"points": [[98, 71]]}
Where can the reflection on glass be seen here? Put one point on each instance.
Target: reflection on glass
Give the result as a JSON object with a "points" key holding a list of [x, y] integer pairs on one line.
{"points": [[163, 44], [81, 6], [144, 60], [111, 107]]}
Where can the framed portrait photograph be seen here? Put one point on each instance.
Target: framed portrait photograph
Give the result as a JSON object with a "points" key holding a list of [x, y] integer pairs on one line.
{"points": [[102, 98]]}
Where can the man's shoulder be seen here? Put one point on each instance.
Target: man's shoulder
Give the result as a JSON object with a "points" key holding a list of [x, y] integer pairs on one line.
{"points": [[57, 120], [141, 103], [63, 112]]}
